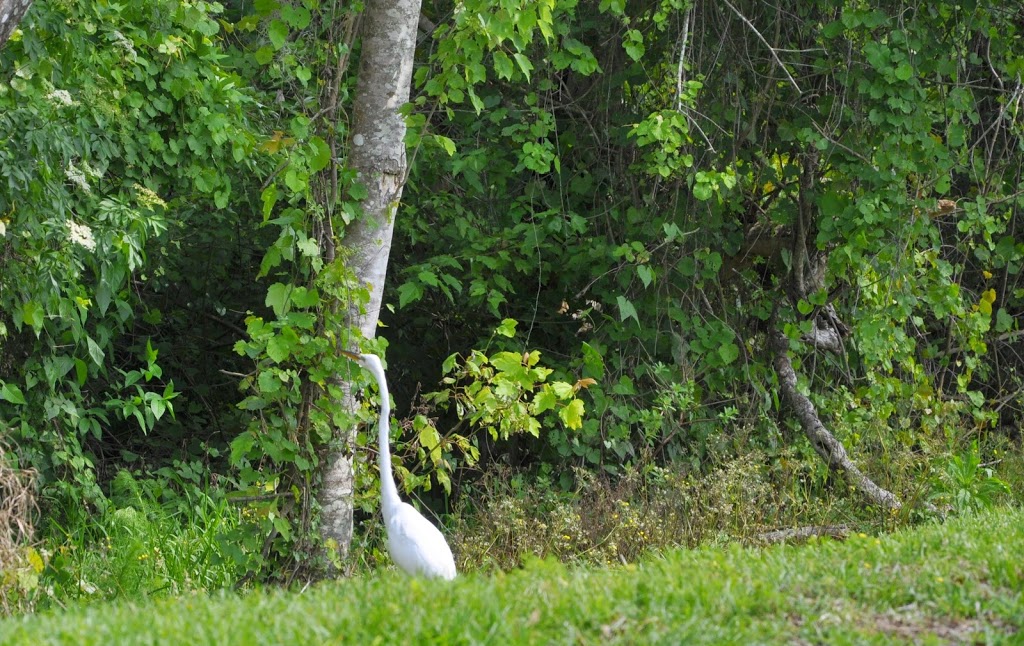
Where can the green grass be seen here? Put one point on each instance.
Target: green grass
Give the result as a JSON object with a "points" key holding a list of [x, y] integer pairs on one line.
{"points": [[946, 583]]}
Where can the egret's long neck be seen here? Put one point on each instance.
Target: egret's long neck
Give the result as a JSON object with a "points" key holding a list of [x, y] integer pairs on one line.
{"points": [[388, 491]]}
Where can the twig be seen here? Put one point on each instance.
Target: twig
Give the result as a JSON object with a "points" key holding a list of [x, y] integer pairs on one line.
{"points": [[770, 48]]}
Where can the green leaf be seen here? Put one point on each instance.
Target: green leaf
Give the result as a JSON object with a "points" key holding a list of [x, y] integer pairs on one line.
{"points": [[524, 65], [626, 310], [321, 155], [264, 55], [429, 438], [296, 15], [268, 382], [81, 371], [303, 297], [507, 328], [446, 143], [562, 389], [278, 33], [507, 361], [1004, 321], [904, 71], [503, 65], [279, 348], [241, 445], [33, 314], [572, 415], [95, 351], [357, 191], [11, 393], [409, 293], [544, 400], [646, 274], [278, 298], [634, 44], [729, 352]]}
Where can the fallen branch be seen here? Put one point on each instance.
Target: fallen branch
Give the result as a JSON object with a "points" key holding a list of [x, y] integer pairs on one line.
{"points": [[802, 533]]}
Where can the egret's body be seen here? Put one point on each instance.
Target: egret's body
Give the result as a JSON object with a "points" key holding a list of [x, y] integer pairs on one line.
{"points": [[414, 543]]}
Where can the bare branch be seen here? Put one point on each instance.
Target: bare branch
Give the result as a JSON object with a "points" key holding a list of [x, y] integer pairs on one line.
{"points": [[771, 49]]}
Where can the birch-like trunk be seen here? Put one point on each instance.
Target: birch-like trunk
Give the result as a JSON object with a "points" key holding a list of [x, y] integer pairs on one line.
{"points": [[11, 13], [377, 153]]}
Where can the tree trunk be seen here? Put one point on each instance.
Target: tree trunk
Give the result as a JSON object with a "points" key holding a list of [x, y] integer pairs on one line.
{"points": [[827, 446], [377, 154], [11, 13]]}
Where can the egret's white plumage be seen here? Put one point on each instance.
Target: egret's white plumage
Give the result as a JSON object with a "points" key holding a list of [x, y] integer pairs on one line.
{"points": [[414, 543]]}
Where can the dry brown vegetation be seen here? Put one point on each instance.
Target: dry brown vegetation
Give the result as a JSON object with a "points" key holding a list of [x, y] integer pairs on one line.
{"points": [[17, 508]]}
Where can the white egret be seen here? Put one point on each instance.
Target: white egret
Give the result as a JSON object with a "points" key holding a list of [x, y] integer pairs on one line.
{"points": [[414, 543]]}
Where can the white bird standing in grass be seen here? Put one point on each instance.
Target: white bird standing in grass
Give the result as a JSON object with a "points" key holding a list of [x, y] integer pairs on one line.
{"points": [[414, 543]]}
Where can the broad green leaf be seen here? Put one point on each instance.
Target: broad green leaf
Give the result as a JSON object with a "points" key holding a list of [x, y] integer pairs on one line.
{"points": [[278, 298], [502, 65], [524, 65], [11, 393], [321, 155], [278, 33], [1004, 321], [297, 16], [264, 55], [429, 438], [304, 297], [268, 382], [95, 351], [626, 309], [507, 361], [544, 400], [409, 293], [81, 371], [507, 328], [33, 314], [572, 415], [357, 191], [729, 352], [449, 364], [646, 274], [446, 143], [279, 348], [562, 389]]}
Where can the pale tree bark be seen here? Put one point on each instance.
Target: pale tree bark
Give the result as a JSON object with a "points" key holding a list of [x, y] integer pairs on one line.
{"points": [[806, 276], [11, 13], [377, 153], [825, 444]]}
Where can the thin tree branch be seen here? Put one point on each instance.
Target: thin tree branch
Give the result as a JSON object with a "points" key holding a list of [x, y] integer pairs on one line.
{"points": [[771, 49]]}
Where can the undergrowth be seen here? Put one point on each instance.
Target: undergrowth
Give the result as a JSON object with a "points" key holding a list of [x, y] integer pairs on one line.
{"points": [[151, 540]]}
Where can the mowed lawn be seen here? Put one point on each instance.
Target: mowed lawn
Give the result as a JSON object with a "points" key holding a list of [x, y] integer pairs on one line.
{"points": [[945, 583]]}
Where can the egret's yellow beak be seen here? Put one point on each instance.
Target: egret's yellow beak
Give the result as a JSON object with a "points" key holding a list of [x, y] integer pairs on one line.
{"points": [[351, 355]]}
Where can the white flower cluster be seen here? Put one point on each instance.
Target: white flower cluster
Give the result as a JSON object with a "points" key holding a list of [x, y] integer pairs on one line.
{"points": [[148, 198], [60, 98], [81, 235], [128, 46], [77, 177]]}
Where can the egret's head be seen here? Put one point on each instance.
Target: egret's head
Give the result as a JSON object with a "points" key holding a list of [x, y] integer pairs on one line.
{"points": [[369, 361]]}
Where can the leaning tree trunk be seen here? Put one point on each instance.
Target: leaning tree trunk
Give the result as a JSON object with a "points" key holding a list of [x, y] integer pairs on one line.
{"points": [[11, 13], [377, 154], [806, 276]]}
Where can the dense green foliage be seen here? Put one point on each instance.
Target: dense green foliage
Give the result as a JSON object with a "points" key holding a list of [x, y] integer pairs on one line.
{"points": [[610, 210], [958, 582]]}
